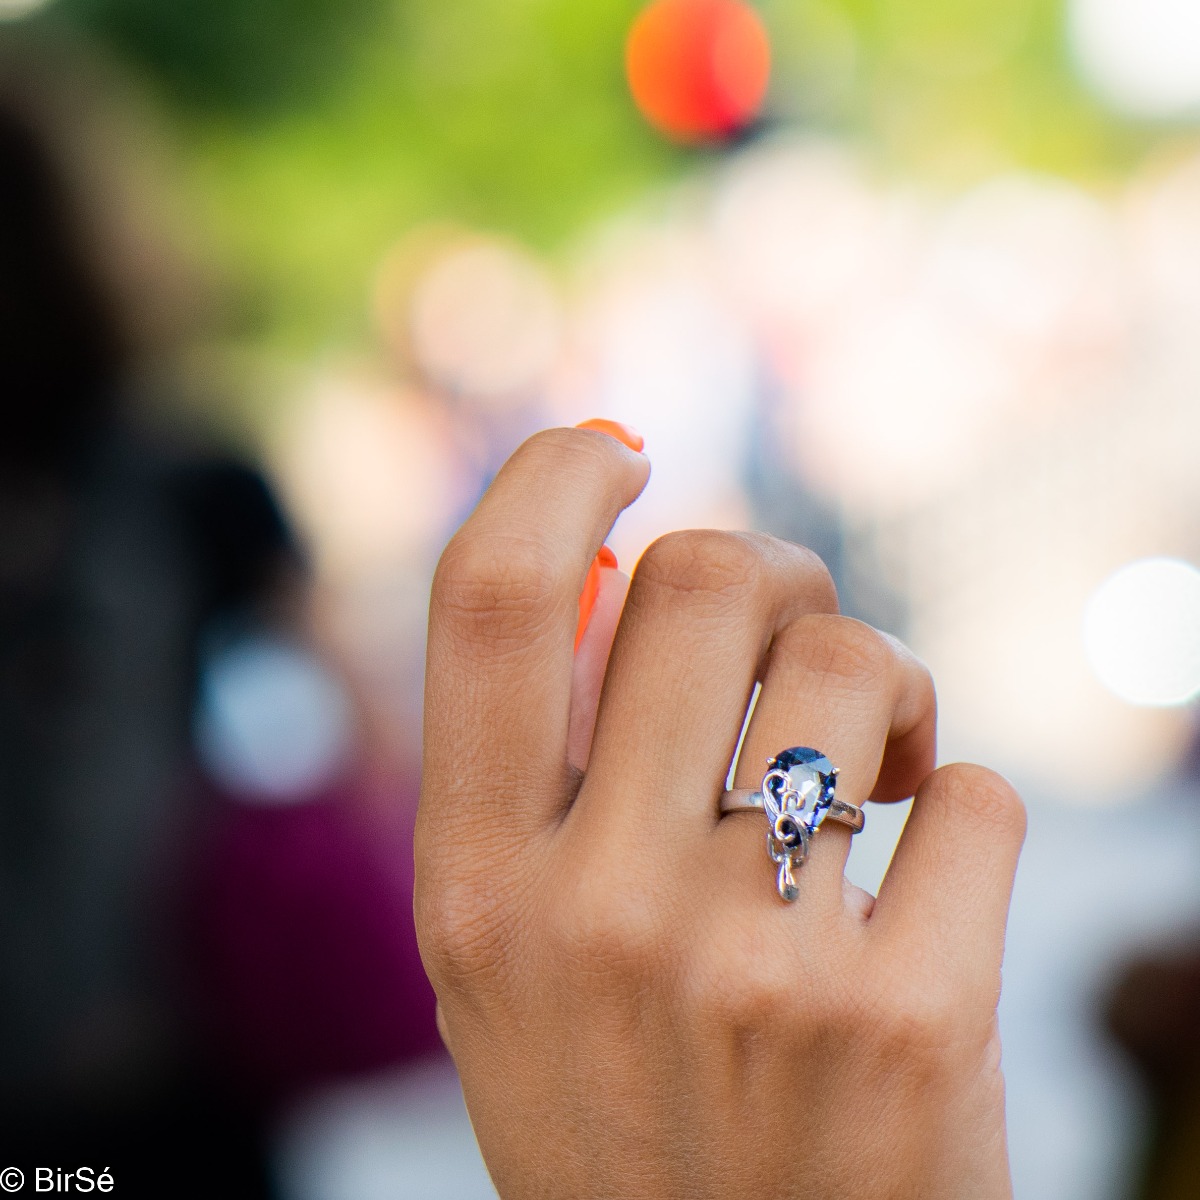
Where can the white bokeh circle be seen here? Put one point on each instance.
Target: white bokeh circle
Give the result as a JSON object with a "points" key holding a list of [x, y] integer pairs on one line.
{"points": [[1141, 631], [1140, 56]]}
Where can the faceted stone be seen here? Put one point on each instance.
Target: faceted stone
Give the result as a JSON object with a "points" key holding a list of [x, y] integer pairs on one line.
{"points": [[811, 776]]}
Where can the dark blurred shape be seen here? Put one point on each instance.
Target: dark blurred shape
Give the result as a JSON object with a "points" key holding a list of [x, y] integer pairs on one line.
{"points": [[61, 349], [698, 69], [305, 947], [1154, 1013], [229, 53], [122, 542]]}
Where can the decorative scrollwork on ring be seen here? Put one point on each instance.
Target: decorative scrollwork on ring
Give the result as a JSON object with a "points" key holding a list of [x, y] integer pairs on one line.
{"points": [[788, 833], [787, 844]]}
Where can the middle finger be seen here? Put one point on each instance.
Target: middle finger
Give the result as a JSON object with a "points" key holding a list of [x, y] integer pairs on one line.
{"points": [[702, 610]]}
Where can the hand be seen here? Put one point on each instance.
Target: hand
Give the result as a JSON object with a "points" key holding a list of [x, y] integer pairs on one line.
{"points": [[633, 1010]]}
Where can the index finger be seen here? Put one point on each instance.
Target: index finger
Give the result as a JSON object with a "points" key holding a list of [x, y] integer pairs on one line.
{"points": [[502, 620]]}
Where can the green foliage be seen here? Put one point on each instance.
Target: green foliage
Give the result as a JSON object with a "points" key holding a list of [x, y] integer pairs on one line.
{"points": [[507, 116], [248, 55], [320, 131]]}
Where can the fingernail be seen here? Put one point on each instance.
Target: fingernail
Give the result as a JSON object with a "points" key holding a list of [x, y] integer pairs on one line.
{"points": [[587, 599], [591, 590], [625, 434]]}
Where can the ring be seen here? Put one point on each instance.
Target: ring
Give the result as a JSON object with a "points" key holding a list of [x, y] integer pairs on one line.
{"points": [[797, 795]]}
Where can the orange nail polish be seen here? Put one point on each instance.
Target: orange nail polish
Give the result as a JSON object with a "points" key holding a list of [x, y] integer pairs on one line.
{"points": [[591, 589], [587, 599], [625, 434]]}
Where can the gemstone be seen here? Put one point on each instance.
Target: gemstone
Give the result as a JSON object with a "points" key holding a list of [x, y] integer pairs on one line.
{"points": [[811, 776]]}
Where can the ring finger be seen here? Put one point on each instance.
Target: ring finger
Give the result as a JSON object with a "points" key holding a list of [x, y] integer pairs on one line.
{"points": [[862, 699]]}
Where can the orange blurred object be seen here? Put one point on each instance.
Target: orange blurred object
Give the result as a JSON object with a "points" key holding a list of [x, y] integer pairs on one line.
{"points": [[698, 69]]}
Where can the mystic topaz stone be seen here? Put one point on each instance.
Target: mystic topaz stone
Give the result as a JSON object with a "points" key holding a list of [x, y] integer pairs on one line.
{"points": [[811, 775]]}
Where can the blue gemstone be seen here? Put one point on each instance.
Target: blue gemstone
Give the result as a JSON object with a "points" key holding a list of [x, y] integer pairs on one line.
{"points": [[811, 776]]}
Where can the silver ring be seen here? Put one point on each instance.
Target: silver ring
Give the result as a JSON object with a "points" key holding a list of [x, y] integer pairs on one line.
{"points": [[797, 796], [750, 800]]}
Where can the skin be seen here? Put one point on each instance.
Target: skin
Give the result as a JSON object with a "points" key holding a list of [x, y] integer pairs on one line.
{"points": [[633, 1010]]}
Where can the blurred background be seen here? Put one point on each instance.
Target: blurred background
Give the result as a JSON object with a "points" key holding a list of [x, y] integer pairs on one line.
{"points": [[913, 282]]}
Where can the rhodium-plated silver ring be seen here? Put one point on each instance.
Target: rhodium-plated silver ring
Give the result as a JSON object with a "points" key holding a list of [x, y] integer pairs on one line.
{"points": [[750, 800], [797, 797]]}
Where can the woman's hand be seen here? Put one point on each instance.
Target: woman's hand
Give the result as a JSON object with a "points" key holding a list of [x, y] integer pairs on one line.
{"points": [[633, 1010]]}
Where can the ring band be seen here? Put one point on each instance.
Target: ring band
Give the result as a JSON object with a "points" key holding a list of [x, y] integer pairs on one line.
{"points": [[750, 800], [797, 798]]}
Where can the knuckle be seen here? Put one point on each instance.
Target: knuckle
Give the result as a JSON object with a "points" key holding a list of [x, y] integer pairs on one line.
{"points": [[915, 1023], [984, 797], [702, 562], [744, 984], [570, 451], [755, 1002], [923, 681], [618, 932], [818, 578], [495, 589], [842, 648], [460, 938]]}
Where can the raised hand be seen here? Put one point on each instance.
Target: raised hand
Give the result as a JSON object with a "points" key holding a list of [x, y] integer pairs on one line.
{"points": [[634, 1010]]}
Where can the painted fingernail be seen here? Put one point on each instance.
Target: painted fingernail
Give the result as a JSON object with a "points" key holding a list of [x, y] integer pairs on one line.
{"points": [[591, 590], [625, 434], [587, 599]]}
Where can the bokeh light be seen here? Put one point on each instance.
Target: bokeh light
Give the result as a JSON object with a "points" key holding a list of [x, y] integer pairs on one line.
{"points": [[657, 345], [1165, 232], [797, 231], [1033, 264], [273, 724], [698, 69], [485, 323], [14, 10], [363, 466], [1141, 629], [1142, 56]]}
